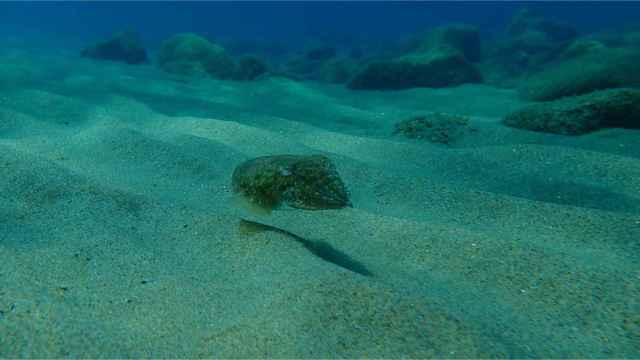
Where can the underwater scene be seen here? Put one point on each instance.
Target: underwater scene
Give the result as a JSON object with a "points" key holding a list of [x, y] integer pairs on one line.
{"points": [[320, 179]]}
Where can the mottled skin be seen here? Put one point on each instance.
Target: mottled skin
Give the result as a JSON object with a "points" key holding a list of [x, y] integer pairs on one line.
{"points": [[303, 182]]}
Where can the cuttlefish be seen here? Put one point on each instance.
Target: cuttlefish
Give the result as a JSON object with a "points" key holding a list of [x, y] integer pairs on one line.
{"points": [[308, 182]]}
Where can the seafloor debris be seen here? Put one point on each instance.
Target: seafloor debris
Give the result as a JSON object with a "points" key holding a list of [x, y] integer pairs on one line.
{"points": [[303, 182]]}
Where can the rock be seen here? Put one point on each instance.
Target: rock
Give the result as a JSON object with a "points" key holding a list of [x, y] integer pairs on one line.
{"points": [[581, 114], [321, 64], [462, 37], [338, 70], [531, 42], [302, 182], [301, 67], [192, 55], [525, 53], [597, 70], [436, 128], [631, 38], [124, 47], [309, 65], [439, 67], [526, 21], [249, 68], [582, 47], [321, 53]]}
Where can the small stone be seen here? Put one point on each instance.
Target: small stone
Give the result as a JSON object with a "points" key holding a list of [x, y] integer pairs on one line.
{"points": [[436, 128]]}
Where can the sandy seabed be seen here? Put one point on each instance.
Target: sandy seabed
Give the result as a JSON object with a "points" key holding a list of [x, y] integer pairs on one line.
{"points": [[118, 236]]}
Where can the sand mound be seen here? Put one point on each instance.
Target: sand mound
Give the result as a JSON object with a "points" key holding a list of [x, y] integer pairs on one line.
{"points": [[118, 236]]}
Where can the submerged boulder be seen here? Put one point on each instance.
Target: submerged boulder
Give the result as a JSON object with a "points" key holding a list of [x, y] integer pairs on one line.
{"points": [[531, 41], [321, 53], [442, 66], [318, 64], [192, 55], [596, 70], [303, 182], [124, 47], [581, 114], [462, 37], [436, 128], [582, 47], [527, 21], [338, 70], [249, 68]]}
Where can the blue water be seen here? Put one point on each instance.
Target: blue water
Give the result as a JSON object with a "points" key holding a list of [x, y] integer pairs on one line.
{"points": [[289, 22]]}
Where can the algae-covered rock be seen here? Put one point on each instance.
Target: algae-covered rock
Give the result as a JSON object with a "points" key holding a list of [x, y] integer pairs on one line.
{"points": [[303, 182], [338, 70], [435, 128], [321, 65], [582, 47], [526, 53], [439, 67], [125, 47], [192, 55], [462, 37], [249, 68], [530, 43], [321, 53], [581, 114], [598, 70], [526, 20], [312, 64]]}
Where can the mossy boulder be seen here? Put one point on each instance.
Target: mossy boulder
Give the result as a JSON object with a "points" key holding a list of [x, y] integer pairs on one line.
{"points": [[597, 70], [526, 20], [124, 47], [436, 128], [581, 114], [249, 68], [302, 182], [338, 70], [322, 64], [531, 41], [525, 54], [462, 37], [312, 63], [192, 55], [439, 67], [321, 53], [583, 47]]}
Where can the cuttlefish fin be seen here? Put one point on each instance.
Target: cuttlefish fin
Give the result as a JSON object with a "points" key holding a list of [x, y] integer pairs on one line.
{"points": [[249, 205]]}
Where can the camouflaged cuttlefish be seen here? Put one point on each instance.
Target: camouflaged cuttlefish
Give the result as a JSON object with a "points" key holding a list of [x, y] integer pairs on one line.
{"points": [[302, 182]]}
